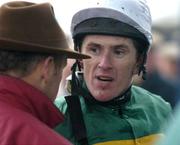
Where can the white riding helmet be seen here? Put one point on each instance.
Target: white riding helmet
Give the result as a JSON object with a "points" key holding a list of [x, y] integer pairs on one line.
{"points": [[134, 14]]}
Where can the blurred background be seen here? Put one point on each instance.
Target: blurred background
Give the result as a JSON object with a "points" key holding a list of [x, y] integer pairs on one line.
{"points": [[163, 63]]}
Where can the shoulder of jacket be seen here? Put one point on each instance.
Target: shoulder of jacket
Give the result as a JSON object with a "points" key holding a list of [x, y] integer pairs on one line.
{"points": [[147, 98]]}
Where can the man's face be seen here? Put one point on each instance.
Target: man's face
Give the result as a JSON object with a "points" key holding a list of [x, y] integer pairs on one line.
{"points": [[112, 65]]}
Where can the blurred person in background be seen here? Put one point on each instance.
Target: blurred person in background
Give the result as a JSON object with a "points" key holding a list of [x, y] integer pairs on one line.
{"points": [[162, 76], [105, 108], [168, 56]]}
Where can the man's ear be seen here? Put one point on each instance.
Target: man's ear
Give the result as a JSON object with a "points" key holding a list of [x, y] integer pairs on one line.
{"points": [[47, 67], [136, 69], [138, 65], [41, 73]]}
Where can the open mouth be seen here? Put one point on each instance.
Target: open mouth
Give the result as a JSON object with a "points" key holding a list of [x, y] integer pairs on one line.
{"points": [[106, 79]]}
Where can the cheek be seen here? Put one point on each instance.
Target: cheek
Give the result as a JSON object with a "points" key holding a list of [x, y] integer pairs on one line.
{"points": [[60, 76], [57, 78], [127, 69], [87, 68], [87, 64], [55, 85]]}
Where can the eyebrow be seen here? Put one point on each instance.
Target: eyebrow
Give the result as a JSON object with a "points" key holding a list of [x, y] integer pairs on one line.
{"points": [[112, 46], [94, 44], [120, 46]]}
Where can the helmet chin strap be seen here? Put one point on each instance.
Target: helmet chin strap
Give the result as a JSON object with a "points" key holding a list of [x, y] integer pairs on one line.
{"points": [[75, 111], [75, 84]]}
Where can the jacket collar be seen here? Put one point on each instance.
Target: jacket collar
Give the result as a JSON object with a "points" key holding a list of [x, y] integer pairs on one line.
{"points": [[23, 96]]}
